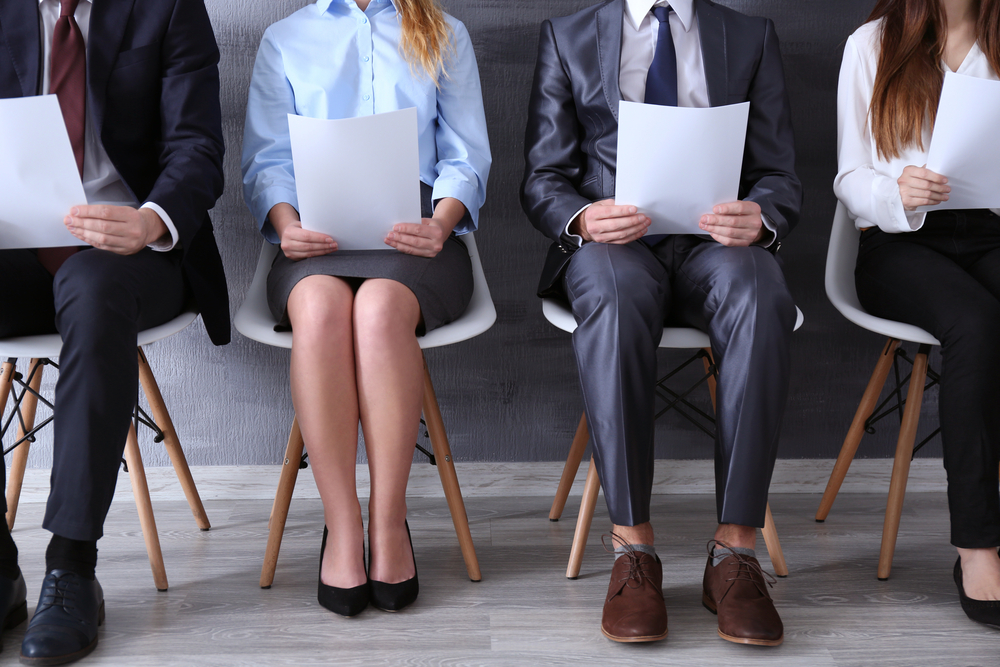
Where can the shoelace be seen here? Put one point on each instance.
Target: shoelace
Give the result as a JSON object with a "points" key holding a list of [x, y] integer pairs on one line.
{"points": [[744, 567], [636, 569], [62, 596]]}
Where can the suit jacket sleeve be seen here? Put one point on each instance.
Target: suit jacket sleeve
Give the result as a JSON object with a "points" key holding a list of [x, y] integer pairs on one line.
{"points": [[554, 161], [768, 176], [191, 177]]}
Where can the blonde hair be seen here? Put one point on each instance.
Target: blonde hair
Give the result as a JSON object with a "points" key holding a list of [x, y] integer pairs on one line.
{"points": [[426, 35]]}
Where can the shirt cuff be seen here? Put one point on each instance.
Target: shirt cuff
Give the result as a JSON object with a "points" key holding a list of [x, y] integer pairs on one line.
{"points": [[576, 238], [162, 244], [772, 234], [463, 192]]}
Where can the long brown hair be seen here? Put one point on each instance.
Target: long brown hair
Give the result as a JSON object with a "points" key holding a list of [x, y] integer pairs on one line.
{"points": [[909, 77], [426, 35]]}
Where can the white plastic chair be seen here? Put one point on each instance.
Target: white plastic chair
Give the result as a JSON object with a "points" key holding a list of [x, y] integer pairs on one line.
{"points": [[841, 258], [41, 350], [559, 315], [254, 320]]}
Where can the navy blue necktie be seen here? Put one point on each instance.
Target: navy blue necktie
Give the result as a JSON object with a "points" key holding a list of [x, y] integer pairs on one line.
{"points": [[661, 80]]}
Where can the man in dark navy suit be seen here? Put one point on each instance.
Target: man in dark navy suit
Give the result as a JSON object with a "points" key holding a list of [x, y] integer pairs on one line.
{"points": [[624, 285], [138, 85]]}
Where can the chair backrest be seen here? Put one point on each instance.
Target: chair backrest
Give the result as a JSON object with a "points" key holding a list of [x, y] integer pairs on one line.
{"points": [[254, 319], [841, 256]]}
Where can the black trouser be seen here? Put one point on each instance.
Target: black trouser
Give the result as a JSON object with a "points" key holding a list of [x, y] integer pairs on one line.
{"points": [[945, 278], [621, 295], [98, 301]]}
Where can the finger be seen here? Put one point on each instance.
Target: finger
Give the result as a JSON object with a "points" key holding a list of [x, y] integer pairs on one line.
{"points": [[620, 235], [611, 225], [595, 213], [116, 244], [307, 247], [410, 249], [101, 225], [414, 241], [307, 235], [739, 233], [733, 221], [631, 237], [103, 212], [929, 186], [413, 229], [928, 175], [736, 208], [730, 241]]}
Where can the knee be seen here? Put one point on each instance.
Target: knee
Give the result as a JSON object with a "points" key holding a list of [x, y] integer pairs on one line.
{"points": [[89, 288], [974, 331], [319, 307], [756, 283], [385, 309], [612, 281]]}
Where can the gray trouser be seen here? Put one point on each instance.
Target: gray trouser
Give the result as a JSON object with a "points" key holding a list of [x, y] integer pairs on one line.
{"points": [[621, 295]]}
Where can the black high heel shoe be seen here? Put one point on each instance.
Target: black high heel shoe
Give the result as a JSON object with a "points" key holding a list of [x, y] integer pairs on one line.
{"points": [[395, 597], [344, 601], [986, 612]]}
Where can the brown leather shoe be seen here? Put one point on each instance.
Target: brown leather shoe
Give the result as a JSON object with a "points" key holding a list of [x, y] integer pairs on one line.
{"points": [[736, 590], [634, 610]]}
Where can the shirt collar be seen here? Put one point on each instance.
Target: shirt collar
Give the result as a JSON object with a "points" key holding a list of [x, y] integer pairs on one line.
{"points": [[324, 5], [636, 10], [57, 2]]}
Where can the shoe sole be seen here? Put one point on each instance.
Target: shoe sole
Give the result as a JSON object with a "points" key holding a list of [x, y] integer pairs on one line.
{"points": [[710, 605], [69, 657], [633, 640]]}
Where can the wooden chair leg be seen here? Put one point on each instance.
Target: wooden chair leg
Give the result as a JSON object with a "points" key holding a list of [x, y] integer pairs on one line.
{"points": [[282, 500], [140, 489], [19, 457], [6, 382], [857, 430], [588, 503], [171, 442], [769, 531], [449, 479], [770, 534], [901, 465], [569, 471]]}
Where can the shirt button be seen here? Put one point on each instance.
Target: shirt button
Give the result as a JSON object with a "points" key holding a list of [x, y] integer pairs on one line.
{"points": [[364, 20], [367, 97], [366, 58]]}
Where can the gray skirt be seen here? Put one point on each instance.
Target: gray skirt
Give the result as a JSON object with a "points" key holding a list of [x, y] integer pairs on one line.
{"points": [[442, 284]]}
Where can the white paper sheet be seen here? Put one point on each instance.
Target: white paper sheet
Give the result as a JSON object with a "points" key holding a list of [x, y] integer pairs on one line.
{"points": [[676, 163], [357, 177], [965, 145], [39, 179]]}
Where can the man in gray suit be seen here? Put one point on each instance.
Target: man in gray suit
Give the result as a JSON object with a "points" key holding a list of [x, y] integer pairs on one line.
{"points": [[623, 285]]}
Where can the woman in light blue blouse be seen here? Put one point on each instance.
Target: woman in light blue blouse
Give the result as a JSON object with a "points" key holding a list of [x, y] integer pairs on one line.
{"points": [[355, 315]]}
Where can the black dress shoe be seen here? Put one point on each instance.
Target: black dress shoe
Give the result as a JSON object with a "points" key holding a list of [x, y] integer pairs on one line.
{"points": [[13, 603], [344, 601], [986, 612], [64, 627], [396, 597]]}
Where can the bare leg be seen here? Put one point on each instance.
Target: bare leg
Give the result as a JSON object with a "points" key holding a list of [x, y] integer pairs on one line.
{"points": [[326, 402], [390, 392], [733, 535], [981, 573]]}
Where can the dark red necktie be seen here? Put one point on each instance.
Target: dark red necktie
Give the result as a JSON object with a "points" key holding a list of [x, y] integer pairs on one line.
{"points": [[68, 82]]}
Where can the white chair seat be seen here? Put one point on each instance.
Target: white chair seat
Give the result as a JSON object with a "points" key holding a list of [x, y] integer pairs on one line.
{"points": [[254, 319], [48, 346], [841, 257], [559, 315]]}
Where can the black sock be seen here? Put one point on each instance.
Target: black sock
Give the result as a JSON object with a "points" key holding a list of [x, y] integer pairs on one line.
{"points": [[8, 553], [78, 556]]}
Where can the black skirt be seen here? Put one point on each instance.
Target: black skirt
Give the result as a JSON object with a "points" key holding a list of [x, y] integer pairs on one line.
{"points": [[442, 284]]}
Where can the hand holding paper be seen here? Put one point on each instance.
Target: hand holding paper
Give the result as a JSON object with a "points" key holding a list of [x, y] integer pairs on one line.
{"points": [[735, 223], [607, 222]]}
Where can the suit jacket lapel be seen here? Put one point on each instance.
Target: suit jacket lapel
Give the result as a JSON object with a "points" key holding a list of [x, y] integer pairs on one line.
{"points": [[609, 50], [713, 51], [19, 28], [108, 20]]}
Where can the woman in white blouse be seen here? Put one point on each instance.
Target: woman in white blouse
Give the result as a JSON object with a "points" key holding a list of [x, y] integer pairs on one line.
{"points": [[938, 270], [355, 314]]}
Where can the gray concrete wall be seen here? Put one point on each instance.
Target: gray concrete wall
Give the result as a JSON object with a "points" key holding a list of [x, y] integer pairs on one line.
{"points": [[512, 394]]}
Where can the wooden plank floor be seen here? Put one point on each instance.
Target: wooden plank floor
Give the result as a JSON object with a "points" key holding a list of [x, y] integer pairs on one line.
{"points": [[524, 612]]}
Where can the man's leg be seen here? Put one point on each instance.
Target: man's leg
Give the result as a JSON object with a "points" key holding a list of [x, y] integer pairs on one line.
{"points": [[619, 294], [27, 309], [102, 301], [740, 297]]}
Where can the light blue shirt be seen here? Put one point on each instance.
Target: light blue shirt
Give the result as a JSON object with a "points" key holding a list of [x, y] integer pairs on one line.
{"points": [[331, 60]]}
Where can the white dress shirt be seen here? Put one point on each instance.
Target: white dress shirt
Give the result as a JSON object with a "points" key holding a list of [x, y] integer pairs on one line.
{"points": [[101, 181], [866, 182], [640, 30]]}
